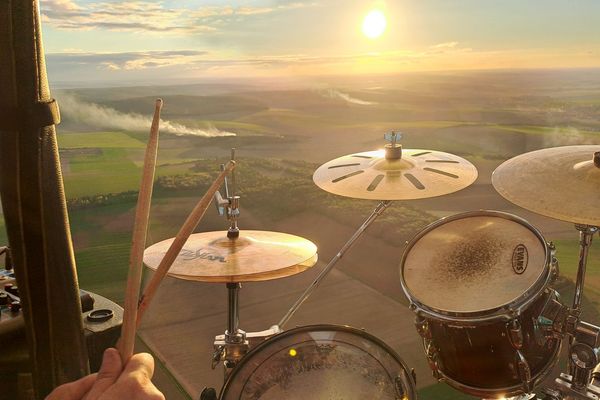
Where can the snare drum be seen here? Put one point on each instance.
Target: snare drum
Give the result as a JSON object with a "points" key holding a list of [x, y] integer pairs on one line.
{"points": [[478, 283], [320, 362]]}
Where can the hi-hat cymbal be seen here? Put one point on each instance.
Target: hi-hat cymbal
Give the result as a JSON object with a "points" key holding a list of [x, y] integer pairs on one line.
{"points": [[418, 174], [254, 256], [559, 182]]}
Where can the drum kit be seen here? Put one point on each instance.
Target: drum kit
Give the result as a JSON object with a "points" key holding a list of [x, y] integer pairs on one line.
{"points": [[479, 283]]}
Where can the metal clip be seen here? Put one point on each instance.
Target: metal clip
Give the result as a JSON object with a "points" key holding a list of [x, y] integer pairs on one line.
{"points": [[552, 320], [217, 356]]}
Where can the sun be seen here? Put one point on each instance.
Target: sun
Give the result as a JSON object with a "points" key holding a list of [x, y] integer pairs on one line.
{"points": [[374, 24]]}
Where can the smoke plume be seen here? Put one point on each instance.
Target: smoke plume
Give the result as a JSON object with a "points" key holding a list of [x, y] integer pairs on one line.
{"points": [[565, 136], [102, 117], [336, 94]]}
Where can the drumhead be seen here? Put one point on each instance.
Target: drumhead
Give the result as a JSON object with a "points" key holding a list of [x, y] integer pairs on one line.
{"points": [[320, 362], [475, 262]]}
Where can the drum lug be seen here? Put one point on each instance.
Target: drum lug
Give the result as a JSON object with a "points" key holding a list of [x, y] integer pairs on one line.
{"points": [[554, 268], [524, 372], [422, 326], [432, 358], [404, 386], [515, 334]]}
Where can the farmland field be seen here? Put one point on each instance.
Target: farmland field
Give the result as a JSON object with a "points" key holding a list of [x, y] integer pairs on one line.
{"points": [[283, 136]]}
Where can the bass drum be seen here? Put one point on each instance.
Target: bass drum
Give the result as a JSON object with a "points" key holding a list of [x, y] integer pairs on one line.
{"points": [[321, 362]]}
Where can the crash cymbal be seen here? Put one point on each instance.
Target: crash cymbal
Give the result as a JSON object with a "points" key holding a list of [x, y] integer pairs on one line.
{"points": [[559, 182], [254, 256], [417, 174]]}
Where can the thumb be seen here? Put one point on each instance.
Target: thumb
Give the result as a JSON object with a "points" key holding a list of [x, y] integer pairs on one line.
{"points": [[109, 372]]}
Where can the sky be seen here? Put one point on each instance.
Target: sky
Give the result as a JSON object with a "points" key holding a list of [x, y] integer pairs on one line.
{"points": [[106, 40]]}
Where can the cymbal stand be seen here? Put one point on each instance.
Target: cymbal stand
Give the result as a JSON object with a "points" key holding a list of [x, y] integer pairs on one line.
{"points": [[381, 207], [393, 150], [586, 233], [231, 346], [584, 339]]}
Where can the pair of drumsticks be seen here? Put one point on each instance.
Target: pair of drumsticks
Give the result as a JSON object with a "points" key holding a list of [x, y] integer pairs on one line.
{"points": [[134, 308]]}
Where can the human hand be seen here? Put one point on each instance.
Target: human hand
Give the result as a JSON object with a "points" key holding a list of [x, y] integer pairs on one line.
{"points": [[113, 382]]}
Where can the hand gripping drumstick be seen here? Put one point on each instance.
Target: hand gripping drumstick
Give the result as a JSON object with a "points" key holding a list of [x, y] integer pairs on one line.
{"points": [[140, 227], [182, 236]]}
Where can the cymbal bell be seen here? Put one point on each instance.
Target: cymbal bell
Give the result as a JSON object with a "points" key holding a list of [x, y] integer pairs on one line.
{"points": [[418, 174], [254, 256], [559, 182]]}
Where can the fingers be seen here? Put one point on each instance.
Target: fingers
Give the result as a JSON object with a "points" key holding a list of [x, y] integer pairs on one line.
{"points": [[141, 363], [109, 372], [135, 381], [73, 390]]}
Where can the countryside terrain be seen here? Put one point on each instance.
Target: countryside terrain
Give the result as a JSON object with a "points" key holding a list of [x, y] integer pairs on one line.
{"points": [[284, 131]]}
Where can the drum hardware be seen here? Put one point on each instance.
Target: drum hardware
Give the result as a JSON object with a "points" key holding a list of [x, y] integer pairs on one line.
{"points": [[570, 169], [229, 205], [394, 174], [234, 258], [234, 345], [564, 389], [320, 362], [381, 207], [503, 341], [586, 233], [515, 334]]}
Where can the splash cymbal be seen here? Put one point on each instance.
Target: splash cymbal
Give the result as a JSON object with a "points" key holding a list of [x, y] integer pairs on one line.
{"points": [[417, 174], [559, 182], [254, 256]]}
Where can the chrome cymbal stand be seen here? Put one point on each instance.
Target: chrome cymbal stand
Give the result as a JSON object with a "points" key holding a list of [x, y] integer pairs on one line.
{"points": [[586, 233], [582, 382], [231, 346], [393, 150], [376, 212]]}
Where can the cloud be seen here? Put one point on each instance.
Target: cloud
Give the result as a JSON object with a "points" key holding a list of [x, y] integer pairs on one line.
{"points": [[445, 45], [137, 16], [146, 16], [126, 60]]}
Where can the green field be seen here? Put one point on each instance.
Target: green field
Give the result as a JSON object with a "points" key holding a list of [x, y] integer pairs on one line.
{"points": [[74, 140], [284, 135]]}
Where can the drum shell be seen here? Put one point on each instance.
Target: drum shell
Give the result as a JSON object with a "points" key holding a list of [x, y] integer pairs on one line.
{"points": [[235, 381], [480, 358]]}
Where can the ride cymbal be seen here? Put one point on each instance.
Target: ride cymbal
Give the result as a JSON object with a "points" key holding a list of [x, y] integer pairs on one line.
{"points": [[416, 174], [559, 182], [254, 256]]}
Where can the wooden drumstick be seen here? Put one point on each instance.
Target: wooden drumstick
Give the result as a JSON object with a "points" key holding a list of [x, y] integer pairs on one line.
{"points": [[182, 236], [138, 243]]}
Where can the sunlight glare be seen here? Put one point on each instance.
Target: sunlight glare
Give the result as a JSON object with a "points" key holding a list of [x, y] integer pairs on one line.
{"points": [[374, 24]]}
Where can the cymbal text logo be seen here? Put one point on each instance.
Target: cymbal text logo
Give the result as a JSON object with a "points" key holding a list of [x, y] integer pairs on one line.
{"points": [[200, 254]]}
